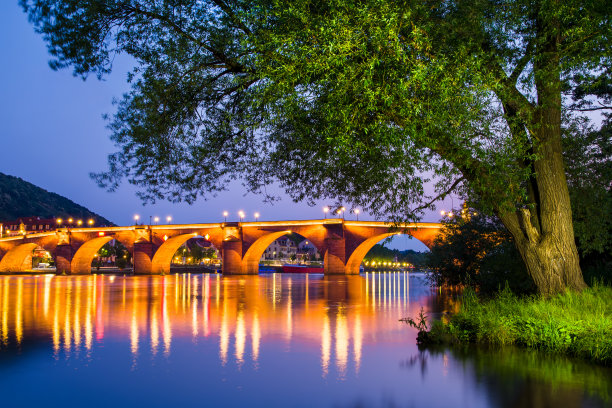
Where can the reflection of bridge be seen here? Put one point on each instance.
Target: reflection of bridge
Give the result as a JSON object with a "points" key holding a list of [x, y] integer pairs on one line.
{"points": [[343, 243], [330, 315]]}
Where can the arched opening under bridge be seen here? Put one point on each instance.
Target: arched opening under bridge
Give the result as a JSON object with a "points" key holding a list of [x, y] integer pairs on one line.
{"points": [[170, 249], [356, 259], [84, 256], [262, 248], [18, 258]]}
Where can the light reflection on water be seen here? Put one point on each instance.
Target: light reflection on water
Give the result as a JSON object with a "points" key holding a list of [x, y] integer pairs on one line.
{"points": [[334, 340]]}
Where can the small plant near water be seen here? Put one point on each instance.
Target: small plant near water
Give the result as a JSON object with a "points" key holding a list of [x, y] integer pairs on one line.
{"points": [[420, 323]]}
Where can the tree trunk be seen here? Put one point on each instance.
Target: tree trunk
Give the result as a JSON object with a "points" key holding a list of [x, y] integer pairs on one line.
{"points": [[551, 261], [544, 232]]}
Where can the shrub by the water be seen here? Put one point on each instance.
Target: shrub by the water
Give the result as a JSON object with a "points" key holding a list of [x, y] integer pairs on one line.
{"points": [[572, 323]]}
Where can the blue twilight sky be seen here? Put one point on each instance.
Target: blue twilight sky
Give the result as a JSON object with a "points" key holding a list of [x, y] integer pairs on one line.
{"points": [[53, 135]]}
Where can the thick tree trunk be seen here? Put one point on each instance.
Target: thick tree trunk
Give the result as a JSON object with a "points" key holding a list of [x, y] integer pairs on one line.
{"points": [[544, 232], [551, 259]]}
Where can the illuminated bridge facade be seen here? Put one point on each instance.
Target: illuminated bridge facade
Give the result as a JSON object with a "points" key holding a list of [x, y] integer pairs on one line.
{"points": [[343, 243]]}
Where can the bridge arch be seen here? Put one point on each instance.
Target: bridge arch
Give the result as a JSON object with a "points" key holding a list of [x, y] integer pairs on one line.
{"points": [[16, 259], [354, 261], [83, 257], [160, 264], [250, 261]]}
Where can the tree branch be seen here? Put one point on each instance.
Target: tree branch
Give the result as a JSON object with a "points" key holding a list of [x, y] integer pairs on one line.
{"points": [[230, 13], [522, 63], [440, 196], [231, 63]]}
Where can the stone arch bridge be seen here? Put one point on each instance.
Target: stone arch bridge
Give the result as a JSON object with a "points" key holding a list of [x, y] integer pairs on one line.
{"points": [[343, 243]]}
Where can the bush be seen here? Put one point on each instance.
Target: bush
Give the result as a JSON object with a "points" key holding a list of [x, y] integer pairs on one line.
{"points": [[575, 324]]}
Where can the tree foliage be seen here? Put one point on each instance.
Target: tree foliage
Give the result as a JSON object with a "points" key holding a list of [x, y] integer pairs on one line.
{"points": [[351, 100]]}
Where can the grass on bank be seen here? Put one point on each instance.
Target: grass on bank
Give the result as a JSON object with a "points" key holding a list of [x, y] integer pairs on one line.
{"points": [[575, 324]]}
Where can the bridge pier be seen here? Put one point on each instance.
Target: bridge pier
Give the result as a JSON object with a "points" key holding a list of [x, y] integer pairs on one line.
{"points": [[63, 255], [334, 259], [142, 259], [231, 254]]}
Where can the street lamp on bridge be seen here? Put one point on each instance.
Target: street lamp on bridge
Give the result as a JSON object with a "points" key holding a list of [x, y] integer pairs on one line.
{"points": [[225, 214], [325, 210], [256, 216], [136, 218], [241, 215]]}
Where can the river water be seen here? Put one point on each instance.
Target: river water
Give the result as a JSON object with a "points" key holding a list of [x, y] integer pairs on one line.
{"points": [[258, 341]]}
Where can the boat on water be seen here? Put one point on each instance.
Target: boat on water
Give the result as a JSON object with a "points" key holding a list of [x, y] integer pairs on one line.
{"points": [[301, 269]]}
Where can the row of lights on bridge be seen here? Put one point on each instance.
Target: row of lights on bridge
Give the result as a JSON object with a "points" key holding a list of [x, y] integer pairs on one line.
{"points": [[71, 221], [242, 215], [153, 219]]}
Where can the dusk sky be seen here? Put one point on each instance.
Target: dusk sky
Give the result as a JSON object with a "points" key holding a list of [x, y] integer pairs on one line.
{"points": [[53, 135]]}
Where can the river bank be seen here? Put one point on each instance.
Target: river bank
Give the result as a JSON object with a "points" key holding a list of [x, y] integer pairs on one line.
{"points": [[573, 324]]}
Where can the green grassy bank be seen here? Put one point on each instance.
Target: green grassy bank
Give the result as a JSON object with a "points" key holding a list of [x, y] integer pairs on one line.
{"points": [[574, 324]]}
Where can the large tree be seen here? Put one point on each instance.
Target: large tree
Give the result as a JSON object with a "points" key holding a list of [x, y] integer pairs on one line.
{"points": [[354, 100]]}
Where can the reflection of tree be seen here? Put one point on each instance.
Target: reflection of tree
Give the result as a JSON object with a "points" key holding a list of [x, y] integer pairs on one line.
{"points": [[521, 378]]}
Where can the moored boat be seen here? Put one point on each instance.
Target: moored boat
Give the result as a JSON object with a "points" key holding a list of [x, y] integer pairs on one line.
{"points": [[301, 269]]}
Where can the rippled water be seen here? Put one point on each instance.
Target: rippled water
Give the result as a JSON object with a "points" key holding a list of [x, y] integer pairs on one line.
{"points": [[268, 340]]}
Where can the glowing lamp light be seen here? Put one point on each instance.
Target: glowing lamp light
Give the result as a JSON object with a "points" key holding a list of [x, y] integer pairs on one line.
{"points": [[256, 216], [450, 215], [207, 237], [79, 222], [442, 212], [101, 233], [90, 222], [168, 219], [156, 219], [70, 220], [165, 237], [59, 220]]}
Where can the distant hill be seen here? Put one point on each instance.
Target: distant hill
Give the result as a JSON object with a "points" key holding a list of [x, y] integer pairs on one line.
{"points": [[18, 198]]}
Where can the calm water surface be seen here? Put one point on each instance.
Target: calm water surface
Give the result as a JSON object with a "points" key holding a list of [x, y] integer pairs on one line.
{"points": [[268, 340]]}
